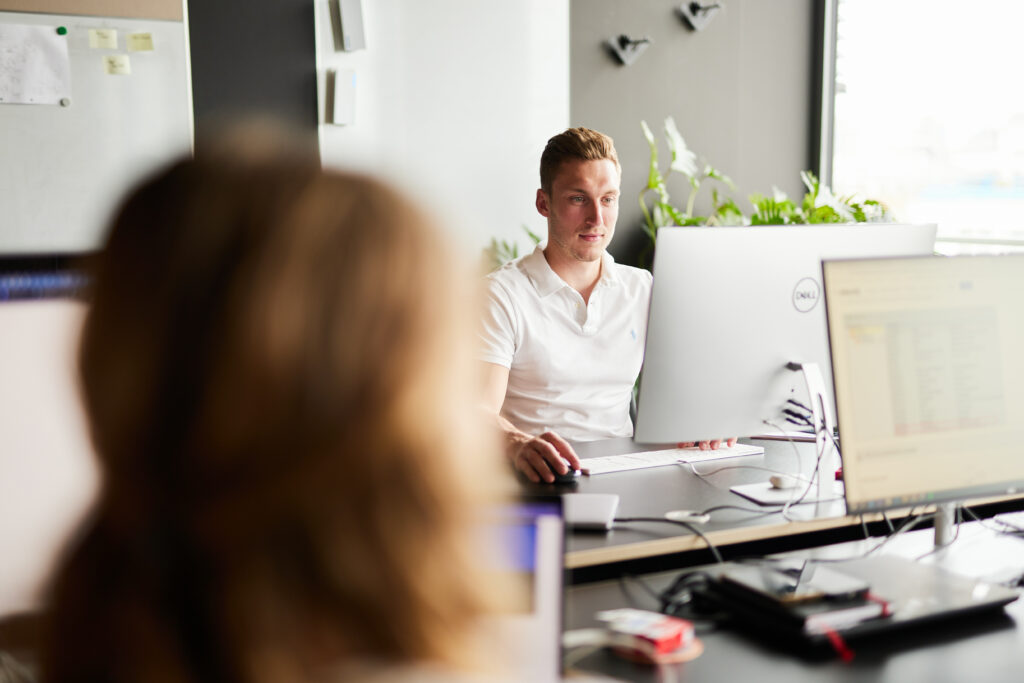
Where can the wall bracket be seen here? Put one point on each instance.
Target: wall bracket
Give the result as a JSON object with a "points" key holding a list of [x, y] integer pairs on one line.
{"points": [[627, 50], [697, 15]]}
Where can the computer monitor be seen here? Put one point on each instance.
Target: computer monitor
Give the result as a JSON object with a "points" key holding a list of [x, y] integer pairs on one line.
{"points": [[525, 542], [731, 308], [43, 276], [48, 476], [928, 358]]}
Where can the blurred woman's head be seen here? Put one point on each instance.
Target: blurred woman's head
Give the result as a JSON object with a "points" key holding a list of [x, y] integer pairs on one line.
{"points": [[276, 367]]}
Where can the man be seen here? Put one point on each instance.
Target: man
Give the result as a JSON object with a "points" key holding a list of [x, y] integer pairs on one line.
{"points": [[563, 335]]}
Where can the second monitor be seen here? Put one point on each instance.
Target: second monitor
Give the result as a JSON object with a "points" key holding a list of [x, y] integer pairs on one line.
{"points": [[731, 308]]}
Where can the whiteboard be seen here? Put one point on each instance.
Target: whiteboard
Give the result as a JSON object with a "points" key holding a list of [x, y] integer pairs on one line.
{"points": [[63, 169]]}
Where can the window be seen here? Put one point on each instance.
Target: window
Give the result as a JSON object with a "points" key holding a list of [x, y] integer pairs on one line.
{"points": [[929, 115]]}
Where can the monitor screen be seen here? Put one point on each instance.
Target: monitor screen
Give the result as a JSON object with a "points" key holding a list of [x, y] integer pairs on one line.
{"points": [[49, 276], [524, 542], [730, 309], [929, 373], [48, 475]]}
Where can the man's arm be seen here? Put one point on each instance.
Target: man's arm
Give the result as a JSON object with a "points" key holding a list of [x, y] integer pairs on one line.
{"points": [[535, 456]]}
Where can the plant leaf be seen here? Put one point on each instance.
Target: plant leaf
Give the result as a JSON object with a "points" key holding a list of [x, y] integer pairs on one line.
{"points": [[825, 214], [683, 160], [678, 217], [654, 177], [712, 172], [534, 237], [497, 254]]}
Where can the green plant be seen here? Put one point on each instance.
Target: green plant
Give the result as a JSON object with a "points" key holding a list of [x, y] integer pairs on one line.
{"points": [[818, 204], [684, 162], [498, 253]]}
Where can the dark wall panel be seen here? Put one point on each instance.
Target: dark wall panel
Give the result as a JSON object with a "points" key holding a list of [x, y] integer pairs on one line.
{"points": [[257, 57], [741, 92]]}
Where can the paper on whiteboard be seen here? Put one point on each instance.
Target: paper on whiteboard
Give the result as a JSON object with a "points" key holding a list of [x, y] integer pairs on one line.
{"points": [[34, 65]]}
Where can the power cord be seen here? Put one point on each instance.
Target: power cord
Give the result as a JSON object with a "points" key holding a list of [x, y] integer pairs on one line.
{"points": [[693, 529]]}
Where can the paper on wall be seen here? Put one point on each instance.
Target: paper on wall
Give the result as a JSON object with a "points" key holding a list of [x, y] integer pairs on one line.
{"points": [[140, 42], [34, 65], [103, 38], [117, 65]]}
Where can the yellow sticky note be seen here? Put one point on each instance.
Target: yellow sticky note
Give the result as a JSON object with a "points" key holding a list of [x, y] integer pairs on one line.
{"points": [[103, 38], [118, 65], [140, 42]]}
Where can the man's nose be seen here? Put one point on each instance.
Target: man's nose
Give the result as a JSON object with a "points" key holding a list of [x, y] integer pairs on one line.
{"points": [[594, 215]]}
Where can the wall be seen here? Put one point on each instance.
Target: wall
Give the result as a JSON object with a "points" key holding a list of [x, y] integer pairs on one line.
{"points": [[253, 59], [455, 100], [740, 91], [67, 165]]}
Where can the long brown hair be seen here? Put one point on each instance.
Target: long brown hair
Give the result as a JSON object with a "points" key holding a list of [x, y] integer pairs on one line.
{"points": [[276, 366]]}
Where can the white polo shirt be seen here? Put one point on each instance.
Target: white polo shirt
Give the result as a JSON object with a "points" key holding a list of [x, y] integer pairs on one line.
{"points": [[572, 365]]}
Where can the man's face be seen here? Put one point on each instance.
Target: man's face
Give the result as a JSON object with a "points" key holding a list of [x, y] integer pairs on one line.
{"points": [[581, 209]]}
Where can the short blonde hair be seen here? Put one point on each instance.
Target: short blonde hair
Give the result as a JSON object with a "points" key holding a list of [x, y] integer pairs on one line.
{"points": [[277, 370], [582, 144]]}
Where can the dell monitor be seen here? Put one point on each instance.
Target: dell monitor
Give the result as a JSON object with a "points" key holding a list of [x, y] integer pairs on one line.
{"points": [[732, 309], [928, 359]]}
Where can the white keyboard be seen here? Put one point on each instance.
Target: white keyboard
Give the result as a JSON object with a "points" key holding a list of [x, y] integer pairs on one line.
{"points": [[672, 456]]}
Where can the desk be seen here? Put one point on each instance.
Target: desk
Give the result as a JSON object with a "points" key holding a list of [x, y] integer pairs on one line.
{"points": [[982, 650], [646, 547]]}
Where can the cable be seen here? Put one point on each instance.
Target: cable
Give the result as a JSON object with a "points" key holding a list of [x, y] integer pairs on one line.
{"points": [[702, 475], [908, 525], [640, 582], [683, 593], [815, 472], [767, 508], [1005, 527], [789, 439], [757, 512], [693, 529]]}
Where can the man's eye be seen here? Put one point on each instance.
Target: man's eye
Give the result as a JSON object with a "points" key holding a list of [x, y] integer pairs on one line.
{"points": [[576, 200], [609, 200]]}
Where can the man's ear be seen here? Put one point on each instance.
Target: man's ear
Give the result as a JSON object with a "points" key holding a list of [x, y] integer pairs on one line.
{"points": [[543, 203]]}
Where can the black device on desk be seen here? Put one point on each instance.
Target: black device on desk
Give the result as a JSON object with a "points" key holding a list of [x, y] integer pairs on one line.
{"points": [[783, 587], [856, 599]]}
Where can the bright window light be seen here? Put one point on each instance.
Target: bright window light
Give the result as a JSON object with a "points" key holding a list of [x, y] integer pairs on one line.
{"points": [[929, 116]]}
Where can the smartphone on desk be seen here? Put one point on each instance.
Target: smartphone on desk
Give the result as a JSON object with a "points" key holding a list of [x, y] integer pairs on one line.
{"points": [[787, 586]]}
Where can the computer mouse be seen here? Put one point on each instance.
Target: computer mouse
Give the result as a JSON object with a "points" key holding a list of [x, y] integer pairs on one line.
{"points": [[783, 481], [570, 477]]}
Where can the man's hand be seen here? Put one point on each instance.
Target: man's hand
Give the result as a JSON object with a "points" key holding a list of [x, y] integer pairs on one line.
{"points": [[712, 445], [538, 456], [535, 456]]}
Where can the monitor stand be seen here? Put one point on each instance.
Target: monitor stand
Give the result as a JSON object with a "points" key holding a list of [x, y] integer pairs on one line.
{"points": [[945, 524], [828, 489]]}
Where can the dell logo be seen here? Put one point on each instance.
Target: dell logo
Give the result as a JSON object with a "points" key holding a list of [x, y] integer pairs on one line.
{"points": [[806, 294]]}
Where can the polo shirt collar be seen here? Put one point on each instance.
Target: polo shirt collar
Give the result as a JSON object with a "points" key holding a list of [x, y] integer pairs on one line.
{"points": [[547, 281]]}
